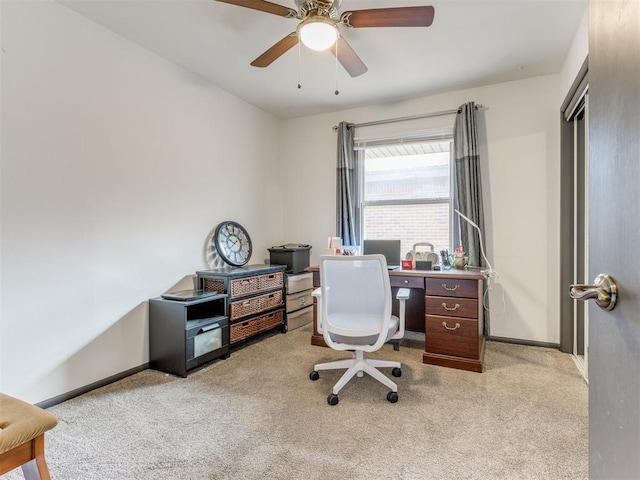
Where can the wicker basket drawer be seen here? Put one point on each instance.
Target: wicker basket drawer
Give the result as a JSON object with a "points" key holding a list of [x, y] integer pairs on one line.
{"points": [[454, 287], [248, 328], [243, 286], [271, 281], [259, 283], [213, 285], [452, 336], [253, 305], [452, 307]]}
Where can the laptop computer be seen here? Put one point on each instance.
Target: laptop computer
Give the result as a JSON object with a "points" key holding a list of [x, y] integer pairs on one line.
{"points": [[389, 248]]}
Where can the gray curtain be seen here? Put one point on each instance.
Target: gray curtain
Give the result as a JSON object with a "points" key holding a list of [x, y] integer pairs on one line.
{"points": [[468, 189], [347, 205]]}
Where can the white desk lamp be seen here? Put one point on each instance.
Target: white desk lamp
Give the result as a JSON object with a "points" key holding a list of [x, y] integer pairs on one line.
{"points": [[491, 272]]}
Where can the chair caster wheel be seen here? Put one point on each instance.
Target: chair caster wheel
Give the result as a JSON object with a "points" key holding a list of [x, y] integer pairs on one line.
{"points": [[392, 397], [332, 399], [396, 372], [314, 375]]}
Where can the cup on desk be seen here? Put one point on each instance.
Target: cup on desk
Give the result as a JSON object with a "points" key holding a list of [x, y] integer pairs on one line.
{"points": [[460, 262]]}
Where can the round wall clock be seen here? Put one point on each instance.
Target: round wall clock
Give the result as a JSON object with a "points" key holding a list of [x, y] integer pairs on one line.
{"points": [[232, 243]]}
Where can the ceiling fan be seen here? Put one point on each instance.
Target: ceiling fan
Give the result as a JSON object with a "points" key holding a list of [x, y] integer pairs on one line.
{"points": [[319, 27]]}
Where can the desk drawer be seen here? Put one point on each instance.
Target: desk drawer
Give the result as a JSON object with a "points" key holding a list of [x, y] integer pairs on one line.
{"points": [[452, 307], [452, 336], [451, 287], [406, 281]]}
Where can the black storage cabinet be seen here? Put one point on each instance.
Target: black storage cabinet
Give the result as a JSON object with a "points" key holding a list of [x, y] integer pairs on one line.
{"points": [[294, 256], [186, 334]]}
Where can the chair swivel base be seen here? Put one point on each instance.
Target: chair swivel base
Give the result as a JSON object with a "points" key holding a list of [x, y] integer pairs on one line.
{"points": [[357, 366]]}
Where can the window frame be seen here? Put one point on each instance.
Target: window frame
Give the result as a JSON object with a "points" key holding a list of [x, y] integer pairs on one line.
{"points": [[424, 137]]}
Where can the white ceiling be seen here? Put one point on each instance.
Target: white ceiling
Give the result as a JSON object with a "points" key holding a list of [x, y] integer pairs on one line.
{"points": [[471, 43]]}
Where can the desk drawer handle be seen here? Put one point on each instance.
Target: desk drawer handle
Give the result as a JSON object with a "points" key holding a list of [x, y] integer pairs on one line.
{"points": [[444, 305], [444, 285], [444, 324], [406, 282]]}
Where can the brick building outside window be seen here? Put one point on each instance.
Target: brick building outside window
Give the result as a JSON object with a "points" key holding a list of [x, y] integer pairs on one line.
{"points": [[406, 193]]}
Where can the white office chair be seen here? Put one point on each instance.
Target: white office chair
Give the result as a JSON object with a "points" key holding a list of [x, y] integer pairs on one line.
{"points": [[354, 313]]}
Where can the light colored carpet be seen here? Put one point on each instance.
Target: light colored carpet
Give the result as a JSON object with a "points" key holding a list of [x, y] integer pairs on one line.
{"points": [[257, 415]]}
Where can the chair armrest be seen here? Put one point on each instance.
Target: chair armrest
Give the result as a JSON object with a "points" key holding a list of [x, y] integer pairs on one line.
{"points": [[317, 293], [403, 294]]}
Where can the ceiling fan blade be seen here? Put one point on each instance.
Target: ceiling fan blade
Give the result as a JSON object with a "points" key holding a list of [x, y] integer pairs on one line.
{"points": [[348, 58], [389, 17], [274, 52], [263, 6]]}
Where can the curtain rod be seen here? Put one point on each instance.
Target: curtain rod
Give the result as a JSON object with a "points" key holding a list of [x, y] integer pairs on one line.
{"points": [[404, 119]]}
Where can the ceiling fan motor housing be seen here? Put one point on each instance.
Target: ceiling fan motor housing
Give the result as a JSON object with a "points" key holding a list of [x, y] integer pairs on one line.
{"points": [[321, 8]]}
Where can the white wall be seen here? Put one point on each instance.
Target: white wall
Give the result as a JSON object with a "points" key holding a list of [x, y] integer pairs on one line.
{"points": [[116, 165], [576, 56], [520, 155]]}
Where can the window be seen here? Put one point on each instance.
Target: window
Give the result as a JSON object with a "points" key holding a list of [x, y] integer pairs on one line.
{"points": [[406, 191]]}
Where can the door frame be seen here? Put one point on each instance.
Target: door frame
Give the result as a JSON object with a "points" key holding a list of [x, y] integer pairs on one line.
{"points": [[567, 174]]}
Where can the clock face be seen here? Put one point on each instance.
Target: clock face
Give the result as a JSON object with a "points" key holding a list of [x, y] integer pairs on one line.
{"points": [[233, 243]]}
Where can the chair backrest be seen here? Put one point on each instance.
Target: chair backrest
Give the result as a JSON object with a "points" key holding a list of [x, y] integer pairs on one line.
{"points": [[355, 289]]}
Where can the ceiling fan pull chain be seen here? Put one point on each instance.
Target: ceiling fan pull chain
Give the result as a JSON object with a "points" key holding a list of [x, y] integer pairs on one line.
{"points": [[299, 62], [337, 92]]}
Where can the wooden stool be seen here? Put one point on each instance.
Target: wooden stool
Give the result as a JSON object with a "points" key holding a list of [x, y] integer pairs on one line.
{"points": [[22, 428]]}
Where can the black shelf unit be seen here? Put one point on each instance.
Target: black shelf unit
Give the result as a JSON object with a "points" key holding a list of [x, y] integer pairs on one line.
{"points": [[187, 334]]}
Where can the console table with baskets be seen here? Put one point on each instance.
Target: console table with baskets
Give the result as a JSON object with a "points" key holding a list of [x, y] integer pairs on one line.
{"points": [[256, 297]]}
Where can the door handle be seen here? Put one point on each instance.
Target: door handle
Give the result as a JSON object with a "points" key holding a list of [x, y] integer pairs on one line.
{"points": [[604, 290]]}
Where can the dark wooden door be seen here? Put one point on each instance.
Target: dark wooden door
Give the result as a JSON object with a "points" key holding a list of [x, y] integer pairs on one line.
{"points": [[614, 237]]}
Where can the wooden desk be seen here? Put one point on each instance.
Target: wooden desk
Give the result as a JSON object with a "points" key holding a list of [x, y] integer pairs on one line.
{"points": [[446, 305]]}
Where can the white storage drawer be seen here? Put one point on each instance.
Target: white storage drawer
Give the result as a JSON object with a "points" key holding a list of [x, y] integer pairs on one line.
{"points": [[296, 301], [300, 318], [298, 283]]}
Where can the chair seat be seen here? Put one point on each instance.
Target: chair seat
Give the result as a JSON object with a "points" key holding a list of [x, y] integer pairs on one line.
{"points": [[359, 336], [21, 422], [22, 429]]}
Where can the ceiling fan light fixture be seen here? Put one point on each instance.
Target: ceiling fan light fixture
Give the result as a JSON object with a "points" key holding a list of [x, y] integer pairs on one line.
{"points": [[318, 33]]}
